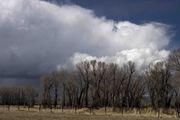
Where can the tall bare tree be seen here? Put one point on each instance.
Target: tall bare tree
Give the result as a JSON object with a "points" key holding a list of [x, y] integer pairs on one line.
{"points": [[84, 70], [47, 88], [160, 85]]}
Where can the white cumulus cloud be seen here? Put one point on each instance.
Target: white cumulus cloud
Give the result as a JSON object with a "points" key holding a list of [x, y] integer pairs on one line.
{"points": [[37, 36], [142, 57]]}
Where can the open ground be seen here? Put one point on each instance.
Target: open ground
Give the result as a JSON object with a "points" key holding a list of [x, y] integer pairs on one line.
{"points": [[81, 114]]}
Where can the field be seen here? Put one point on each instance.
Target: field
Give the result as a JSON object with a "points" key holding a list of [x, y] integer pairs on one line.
{"points": [[69, 114]]}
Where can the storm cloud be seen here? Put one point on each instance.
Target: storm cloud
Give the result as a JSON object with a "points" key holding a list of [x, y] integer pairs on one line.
{"points": [[37, 37]]}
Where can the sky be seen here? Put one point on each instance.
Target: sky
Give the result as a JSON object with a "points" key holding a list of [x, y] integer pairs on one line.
{"points": [[37, 37], [136, 11]]}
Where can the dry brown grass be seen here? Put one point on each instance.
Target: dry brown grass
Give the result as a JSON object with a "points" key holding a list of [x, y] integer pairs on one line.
{"points": [[81, 114]]}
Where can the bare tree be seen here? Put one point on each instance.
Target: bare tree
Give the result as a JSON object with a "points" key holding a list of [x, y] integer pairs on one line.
{"points": [[71, 91], [18, 95], [47, 88], [130, 70], [113, 77], [84, 70], [98, 72], [160, 85], [30, 95], [55, 76], [174, 60]]}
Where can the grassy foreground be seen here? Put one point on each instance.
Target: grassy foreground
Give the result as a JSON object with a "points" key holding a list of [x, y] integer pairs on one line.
{"points": [[82, 114]]}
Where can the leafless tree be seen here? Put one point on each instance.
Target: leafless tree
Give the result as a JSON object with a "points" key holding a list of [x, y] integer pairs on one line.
{"points": [[98, 71], [47, 88], [96, 84], [159, 85], [55, 77], [30, 95], [17, 95], [84, 71], [174, 60]]}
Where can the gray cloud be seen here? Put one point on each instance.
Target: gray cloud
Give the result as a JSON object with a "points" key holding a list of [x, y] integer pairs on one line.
{"points": [[37, 37]]}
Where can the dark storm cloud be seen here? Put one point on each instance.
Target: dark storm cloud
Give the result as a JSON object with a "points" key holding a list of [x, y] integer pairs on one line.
{"points": [[37, 37]]}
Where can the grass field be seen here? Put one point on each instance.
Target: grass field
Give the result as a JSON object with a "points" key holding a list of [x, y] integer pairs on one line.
{"points": [[82, 114]]}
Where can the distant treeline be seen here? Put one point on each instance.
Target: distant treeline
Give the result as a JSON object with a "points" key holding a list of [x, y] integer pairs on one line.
{"points": [[95, 84]]}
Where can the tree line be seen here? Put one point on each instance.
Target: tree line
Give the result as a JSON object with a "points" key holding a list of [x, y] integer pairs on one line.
{"points": [[95, 84], [19, 96]]}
